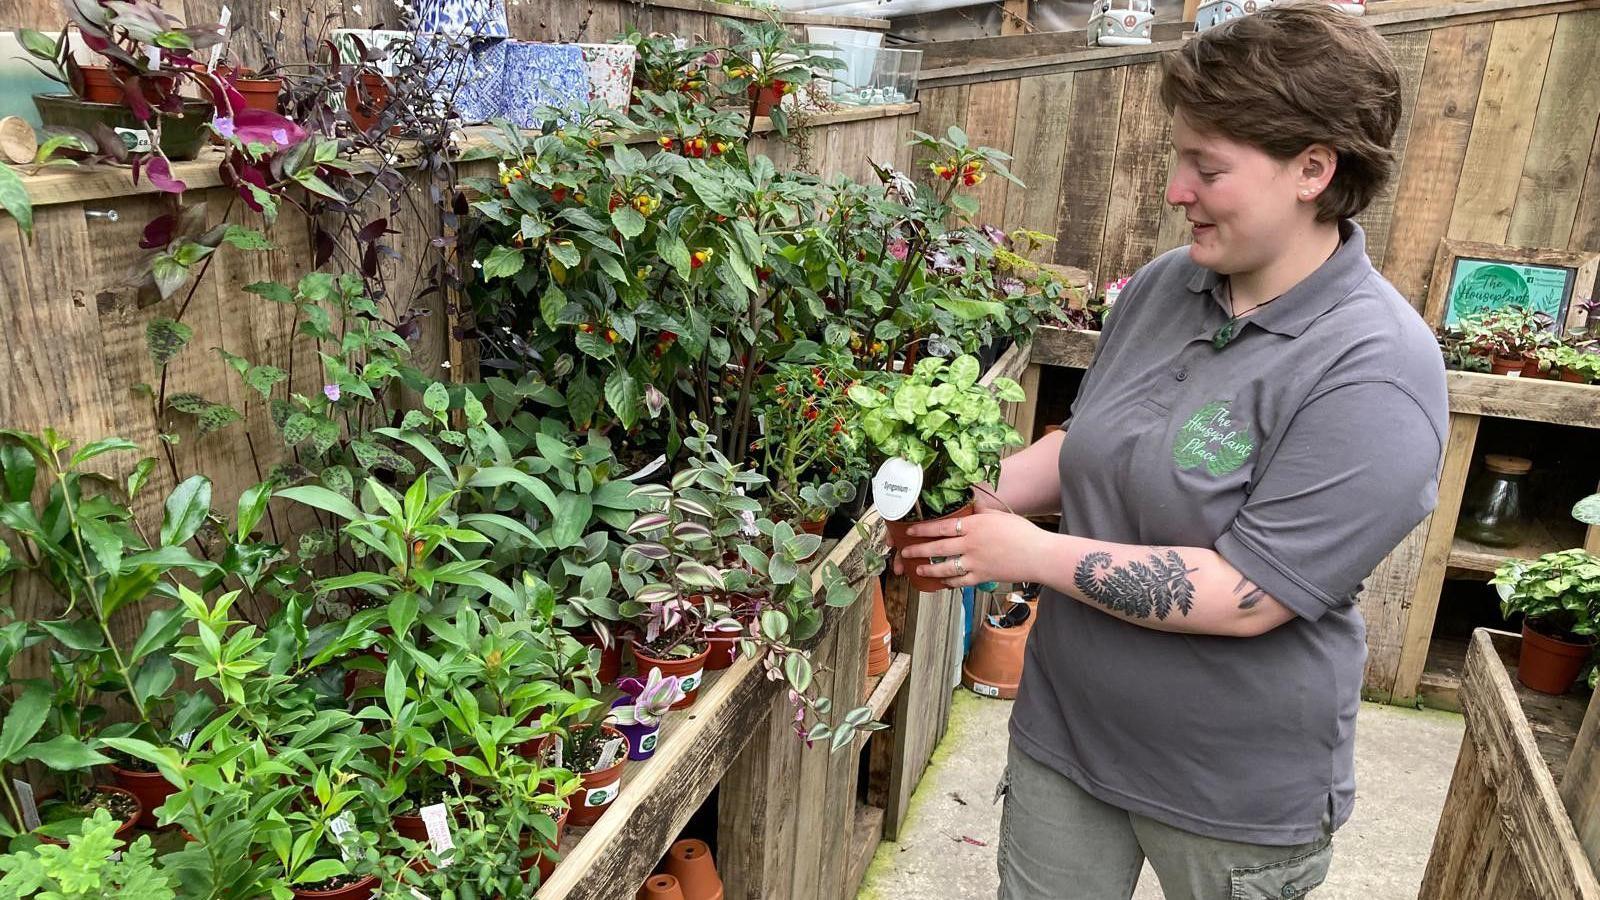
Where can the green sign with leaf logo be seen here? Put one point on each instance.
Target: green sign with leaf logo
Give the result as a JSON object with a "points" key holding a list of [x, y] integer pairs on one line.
{"points": [[1479, 286]]}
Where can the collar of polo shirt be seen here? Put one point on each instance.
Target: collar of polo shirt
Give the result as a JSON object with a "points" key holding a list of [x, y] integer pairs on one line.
{"points": [[1319, 292]]}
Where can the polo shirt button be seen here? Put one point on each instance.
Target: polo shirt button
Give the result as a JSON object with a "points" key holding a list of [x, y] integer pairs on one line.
{"points": [[1288, 892], [1182, 373]]}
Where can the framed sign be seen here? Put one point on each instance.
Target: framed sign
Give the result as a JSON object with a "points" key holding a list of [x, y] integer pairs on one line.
{"points": [[1471, 278]]}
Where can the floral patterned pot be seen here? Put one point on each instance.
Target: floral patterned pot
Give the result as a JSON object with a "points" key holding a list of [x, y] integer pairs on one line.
{"points": [[610, 68]]}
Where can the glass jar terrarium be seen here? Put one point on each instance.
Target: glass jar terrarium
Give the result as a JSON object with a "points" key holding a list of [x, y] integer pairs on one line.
{"points": [[1492, 511]]}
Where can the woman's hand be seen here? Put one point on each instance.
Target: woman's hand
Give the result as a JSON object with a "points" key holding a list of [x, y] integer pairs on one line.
{"points": [[985, 546]]}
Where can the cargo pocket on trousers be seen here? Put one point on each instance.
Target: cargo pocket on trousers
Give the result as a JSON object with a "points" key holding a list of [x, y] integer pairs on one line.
{"points": [[1284, 880]]}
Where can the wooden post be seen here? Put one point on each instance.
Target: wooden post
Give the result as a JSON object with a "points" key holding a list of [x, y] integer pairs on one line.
{"points": [[1580, 786], [1014, 18], [1190, 8]]}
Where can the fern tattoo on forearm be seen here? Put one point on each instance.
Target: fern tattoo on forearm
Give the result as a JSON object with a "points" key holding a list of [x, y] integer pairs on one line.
{"points": [[1137, 589]]}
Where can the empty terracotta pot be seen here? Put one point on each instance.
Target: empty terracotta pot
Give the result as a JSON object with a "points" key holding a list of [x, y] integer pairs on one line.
{"points": [[368, 100], [880, 635], [690, 671], [690, 862], [899, 540], [150, 787], [994, 667], [661, 887]]}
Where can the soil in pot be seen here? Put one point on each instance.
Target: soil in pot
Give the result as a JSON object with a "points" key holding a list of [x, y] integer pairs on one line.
{"points": [[141, 779], [690, 670], [599, 786], [1505, 365], [1550, 664], [121, 804], [899, 540], [340, 887]]}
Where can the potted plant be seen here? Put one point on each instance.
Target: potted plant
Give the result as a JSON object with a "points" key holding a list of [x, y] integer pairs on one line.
{"points": [[1508, 337], [1576, 364], [1559, 597], [942, 420], [640, 709], [768, 64], [810, 443], [596, 753], [84, 870]]}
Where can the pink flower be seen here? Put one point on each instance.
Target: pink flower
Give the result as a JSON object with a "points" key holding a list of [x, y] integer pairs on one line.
{"points": [[332, 392], [899, 247]]}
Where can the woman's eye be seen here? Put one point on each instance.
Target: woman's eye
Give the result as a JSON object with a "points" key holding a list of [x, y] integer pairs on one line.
{"points": [[1209, 176]]}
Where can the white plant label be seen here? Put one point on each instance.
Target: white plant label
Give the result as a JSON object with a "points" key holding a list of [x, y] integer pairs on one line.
{"points": [[152, 55], [435, 818], [895, 487], [649, 467], [222, 29], [987, 690], [137, 140], [560, 748], [608, 753], [690, 681], [600, 796], [185, 739], [341, 827], [647, 743], [30, 809]]}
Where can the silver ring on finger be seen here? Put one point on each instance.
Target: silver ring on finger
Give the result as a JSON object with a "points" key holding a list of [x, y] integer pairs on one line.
{"points": [[959, 527], [961, 570]]}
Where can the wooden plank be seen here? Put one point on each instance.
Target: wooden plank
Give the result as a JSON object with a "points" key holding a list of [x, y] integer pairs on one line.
{"points": [[1580, 785], [1086, 173], [865, 834], [1043, 111], [1138, 176], [1441, 127], [814, 821], [1385, 604], [848, 677], [1028, 410], [913, 708], [1562, 141], [1410, 52], [755, 812], [887, 687], [1558, 402], [1435, 555], [1502, 128]]}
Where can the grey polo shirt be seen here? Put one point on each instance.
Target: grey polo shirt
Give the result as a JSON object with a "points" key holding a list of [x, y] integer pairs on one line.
{"points": [[1302, 452]]}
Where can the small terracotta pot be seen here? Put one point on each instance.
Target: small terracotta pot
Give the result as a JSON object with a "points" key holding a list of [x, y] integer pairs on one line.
{"points": [[361, 890], [599, 788], [259, 93], [1549, 665], [691, 863], [994, 667], [765, 99], [722, 647], [151, 789], [1505, 365], [374, 90], [545, 863], [98, 86], [123, 831], [690, 671], [1574, 377], [610, 657], [815, 527], [899, 540], [661, 887], [410, 826], [1530, 369], [880, 636]]}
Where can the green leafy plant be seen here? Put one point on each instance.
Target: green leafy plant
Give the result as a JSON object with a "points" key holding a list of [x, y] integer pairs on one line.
{"points": [[1559, 593], [88, 867], [940, 418]]}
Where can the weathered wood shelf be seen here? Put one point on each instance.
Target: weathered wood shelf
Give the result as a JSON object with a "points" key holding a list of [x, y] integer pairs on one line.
{"points": [[865, 834], [1540, 537]]}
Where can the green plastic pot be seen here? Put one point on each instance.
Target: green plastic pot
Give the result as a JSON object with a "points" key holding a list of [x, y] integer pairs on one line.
{"points": [[181, 136]]}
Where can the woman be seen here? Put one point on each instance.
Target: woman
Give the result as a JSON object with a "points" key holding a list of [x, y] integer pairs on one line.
{"points": [[1262, 423]]}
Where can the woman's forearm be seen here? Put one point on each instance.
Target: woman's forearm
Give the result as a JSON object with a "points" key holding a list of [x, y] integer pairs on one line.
{"points": [[1183, 589], [1030, 479]]}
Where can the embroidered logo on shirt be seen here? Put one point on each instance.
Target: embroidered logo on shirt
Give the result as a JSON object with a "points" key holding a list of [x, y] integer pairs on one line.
{"points": [[1214, 438]]}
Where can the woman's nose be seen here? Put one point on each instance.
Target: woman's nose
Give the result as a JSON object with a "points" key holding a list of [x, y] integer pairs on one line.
{"points": [[1178, 194]]}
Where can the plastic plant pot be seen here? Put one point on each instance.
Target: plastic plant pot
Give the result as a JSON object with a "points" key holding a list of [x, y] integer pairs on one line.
{"points": [[181, 136], [900, 540], [151, 788], [642, 739], [689, 669]]}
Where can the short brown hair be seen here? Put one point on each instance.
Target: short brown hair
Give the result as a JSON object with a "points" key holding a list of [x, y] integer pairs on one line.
{"points": [[1291, 76]]}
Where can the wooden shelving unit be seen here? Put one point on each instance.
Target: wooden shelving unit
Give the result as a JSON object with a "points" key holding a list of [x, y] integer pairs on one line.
{"points": [[1540, 537]]}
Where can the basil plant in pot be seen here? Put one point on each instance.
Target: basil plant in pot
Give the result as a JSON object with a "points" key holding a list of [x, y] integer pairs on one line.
{"points": [[1559, 597], [941, 419]]}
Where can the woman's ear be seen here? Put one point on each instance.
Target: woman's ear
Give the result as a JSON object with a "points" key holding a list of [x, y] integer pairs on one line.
{"points": [[1317, 165]]}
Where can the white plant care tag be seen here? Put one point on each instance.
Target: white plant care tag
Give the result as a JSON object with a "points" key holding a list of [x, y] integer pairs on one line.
{"points": [[608, 753], [137, 140], [152, 56], [222, 29], [438, 824], [560, 749], [987, 690], [649, 467], [895, 487], [600, 796], [691, 681], [30, 809], [186, 738], [341, 827]]}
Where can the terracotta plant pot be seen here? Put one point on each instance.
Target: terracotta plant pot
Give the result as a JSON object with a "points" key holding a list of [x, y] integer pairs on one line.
{"points": [[1530, 369], [722, 647], [599, 788], [661, 887], [98, 86], [765, 99], [610, 657], [124, 832], [690, 671], [410, 826], [361, 890], [880, 635], [259, 93], [691, 863], [994, 667], [1505, 365], [368, 102], [1550, 665], [543, 861], [1574, 377], [815, 527], [899, 540], [150, 788]]}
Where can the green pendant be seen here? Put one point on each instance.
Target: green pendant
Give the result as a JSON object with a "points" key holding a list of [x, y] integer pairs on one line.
{"points": [[1225, 334]]}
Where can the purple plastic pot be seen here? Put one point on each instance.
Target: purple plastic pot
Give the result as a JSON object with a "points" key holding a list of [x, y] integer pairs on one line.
{"points": [[642, 739]]}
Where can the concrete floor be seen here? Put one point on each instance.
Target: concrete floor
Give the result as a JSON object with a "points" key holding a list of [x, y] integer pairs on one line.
{"points": [[1403, 763]]}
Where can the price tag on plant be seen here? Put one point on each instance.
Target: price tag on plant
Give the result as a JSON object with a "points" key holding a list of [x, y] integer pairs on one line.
{"points": [[340, 827], [608, 753], [152, 56], [222, 30], [30, 809], [895, 487], [438, 824]]}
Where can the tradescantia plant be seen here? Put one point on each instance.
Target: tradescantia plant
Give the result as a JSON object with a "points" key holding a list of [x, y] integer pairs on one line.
{"points": [[940, 418]]}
